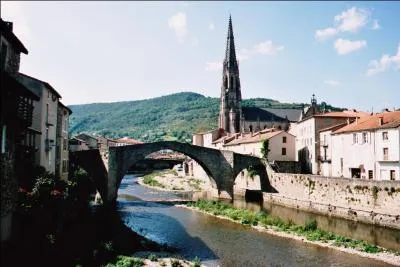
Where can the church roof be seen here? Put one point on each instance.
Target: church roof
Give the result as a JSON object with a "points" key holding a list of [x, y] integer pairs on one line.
{"points": [[292, 114], [254, 114]]}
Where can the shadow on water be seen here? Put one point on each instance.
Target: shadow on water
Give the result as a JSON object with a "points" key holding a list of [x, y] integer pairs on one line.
{"points": [[145, 219]]}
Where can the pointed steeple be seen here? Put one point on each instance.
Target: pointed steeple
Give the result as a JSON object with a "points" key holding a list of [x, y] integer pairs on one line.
{"points": [[230, 53], [231, 96]]}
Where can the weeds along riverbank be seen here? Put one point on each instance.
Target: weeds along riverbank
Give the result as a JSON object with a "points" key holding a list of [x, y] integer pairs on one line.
{"points": [[309, 232]]}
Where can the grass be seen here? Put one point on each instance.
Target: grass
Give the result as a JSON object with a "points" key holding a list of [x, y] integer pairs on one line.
{"points": [[149, 179], [125, 261], [309, 230]]}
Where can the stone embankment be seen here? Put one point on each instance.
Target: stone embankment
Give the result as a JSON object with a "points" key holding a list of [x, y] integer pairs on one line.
{"points": [[368, 201]]}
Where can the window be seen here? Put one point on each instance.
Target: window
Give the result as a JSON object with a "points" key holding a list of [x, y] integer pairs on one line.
{"points": [[47, 113], [385, 153], [65, 145], [283, 151], [385, 136], [355, 138], [65, 166], [284, 139], [392, 175], [365, 138], [370, 174], [3, 139]]}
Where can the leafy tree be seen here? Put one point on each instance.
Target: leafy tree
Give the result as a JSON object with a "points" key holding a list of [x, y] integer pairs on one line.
{"points": [[265, 149]]}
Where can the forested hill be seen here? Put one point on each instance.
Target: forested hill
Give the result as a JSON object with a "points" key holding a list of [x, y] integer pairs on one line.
{"points": [[171, 117]]}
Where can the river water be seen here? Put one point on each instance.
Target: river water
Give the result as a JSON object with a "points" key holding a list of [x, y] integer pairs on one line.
{"points": [[223, 243]]}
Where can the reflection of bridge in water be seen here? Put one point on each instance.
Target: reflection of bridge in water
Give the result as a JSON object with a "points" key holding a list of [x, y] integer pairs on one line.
{"points": [[221, 166]]}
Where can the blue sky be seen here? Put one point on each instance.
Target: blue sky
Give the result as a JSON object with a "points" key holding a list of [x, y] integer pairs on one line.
{"points": [[347, 53]]}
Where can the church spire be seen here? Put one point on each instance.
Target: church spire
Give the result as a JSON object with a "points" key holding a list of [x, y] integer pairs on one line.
{"points": [[231, 96], [230, 62]]}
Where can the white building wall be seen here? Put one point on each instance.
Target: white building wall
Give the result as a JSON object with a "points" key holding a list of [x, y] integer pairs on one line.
{"points": [[275, 145], [347, 154], [326, 141], [392, 164], [368, 155], [305, 140]]}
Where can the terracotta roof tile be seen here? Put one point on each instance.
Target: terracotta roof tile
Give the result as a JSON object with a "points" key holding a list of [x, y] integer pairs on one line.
{"points": [[390, 120]]}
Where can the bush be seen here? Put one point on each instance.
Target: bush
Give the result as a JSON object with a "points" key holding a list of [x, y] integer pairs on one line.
{"points": [[311, 225], [196, 262]]}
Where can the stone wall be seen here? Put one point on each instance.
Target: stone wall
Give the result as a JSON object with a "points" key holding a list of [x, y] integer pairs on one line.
{"points": [[369, 201]]}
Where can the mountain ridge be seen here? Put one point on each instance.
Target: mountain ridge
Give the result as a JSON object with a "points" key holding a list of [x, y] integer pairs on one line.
{"points": [[170, 117]]}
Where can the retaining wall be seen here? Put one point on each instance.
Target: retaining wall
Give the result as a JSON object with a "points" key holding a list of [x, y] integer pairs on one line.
{"points": [[369, 201]]}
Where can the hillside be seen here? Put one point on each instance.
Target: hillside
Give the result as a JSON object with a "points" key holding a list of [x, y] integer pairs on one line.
{"points": [[171, 117]]}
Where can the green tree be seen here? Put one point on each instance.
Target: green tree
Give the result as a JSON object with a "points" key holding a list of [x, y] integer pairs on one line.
{"points": [[265, 149]]}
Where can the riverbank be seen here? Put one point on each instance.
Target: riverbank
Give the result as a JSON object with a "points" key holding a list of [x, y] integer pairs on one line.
{"points": [[308, 233], [152, 261], [170, 180]]}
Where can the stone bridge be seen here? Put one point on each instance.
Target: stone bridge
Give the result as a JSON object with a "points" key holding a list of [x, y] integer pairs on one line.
{"points": [[221, 166]]}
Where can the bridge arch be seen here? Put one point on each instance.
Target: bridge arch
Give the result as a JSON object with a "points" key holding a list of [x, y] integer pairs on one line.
{"points": [[215, 164]]}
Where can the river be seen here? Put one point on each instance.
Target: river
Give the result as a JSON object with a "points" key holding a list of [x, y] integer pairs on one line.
{"points": [[223, 243]]}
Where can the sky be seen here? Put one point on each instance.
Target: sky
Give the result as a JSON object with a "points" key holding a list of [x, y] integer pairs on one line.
{"points": [[346, 53]]}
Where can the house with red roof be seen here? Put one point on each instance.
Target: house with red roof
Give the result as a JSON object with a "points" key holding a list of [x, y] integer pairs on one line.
{"points": [[368, 148]]}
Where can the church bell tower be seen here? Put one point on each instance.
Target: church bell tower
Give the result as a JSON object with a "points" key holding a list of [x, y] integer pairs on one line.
{"points": [[230, 112]]}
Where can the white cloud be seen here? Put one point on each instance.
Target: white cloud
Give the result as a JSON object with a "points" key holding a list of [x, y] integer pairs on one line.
{"points": [[264, 48], [324, 34], [344, 47], [214, 66], [332, 82], [178, 23], [13, 11], [376, 25], [211, 26], [267, 48], [384, 63], [352, 20]]}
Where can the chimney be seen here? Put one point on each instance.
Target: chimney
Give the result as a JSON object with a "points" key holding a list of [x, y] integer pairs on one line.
{"points": [[348, 121], [356, 120], [380, 121]]}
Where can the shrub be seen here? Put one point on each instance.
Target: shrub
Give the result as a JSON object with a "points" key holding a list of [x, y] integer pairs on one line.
{"points": [[196, 262], [311, 224], [152, 257]]}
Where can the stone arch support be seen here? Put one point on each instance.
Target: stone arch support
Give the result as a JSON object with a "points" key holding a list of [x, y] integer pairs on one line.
{"points": [[218, 164]]}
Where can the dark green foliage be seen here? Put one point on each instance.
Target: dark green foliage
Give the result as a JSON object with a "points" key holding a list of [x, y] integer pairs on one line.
{"points": [[125, 261], [152, 257], [311, 224], [265, 149], [196, 262], [172, 117]]}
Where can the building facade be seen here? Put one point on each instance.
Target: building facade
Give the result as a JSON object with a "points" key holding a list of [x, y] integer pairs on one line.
{"points": [[308, 136], [368, 148], [44, 120], [62, 147], [16, 135]]}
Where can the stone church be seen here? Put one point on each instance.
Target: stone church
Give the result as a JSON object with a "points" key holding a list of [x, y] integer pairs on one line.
{"points": [[233, 118]]}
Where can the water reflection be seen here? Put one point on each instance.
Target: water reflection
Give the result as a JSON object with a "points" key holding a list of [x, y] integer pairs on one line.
{"points": [[223, 243]]}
